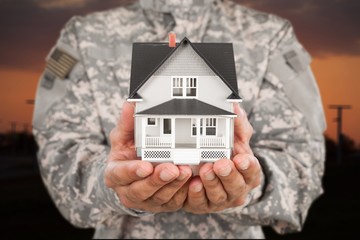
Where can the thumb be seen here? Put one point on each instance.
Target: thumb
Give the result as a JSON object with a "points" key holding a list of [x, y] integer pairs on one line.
{"points": [[124, 132], [242, 131]]}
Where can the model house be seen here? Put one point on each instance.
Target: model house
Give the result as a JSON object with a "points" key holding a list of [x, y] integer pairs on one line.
{"points": [[184, 94]]}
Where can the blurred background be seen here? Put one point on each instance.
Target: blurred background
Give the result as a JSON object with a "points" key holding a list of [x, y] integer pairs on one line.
{"points": [[328, 29]]}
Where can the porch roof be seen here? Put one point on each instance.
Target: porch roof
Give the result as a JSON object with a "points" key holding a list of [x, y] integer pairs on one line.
{"points": [[185, 107]]}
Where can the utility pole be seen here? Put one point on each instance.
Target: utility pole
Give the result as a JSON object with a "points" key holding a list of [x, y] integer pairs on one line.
{"points": [[339, 121]]}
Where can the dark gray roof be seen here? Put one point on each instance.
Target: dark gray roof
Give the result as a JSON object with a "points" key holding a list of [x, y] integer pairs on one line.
{"points": [[136, 96], [233, 97], [148, 57], [185, 107]]}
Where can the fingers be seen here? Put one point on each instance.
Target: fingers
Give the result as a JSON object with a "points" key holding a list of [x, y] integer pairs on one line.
{"points": [[142, 190], [172, 196], [178, 200], [242, 131], [250, 168], [166, 194], [196, 200], [223, 184], [121, 173], [231, 179], [213, 187]]}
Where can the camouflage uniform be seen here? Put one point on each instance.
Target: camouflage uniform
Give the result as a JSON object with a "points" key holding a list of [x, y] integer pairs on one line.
{"points": [[74, 116]]}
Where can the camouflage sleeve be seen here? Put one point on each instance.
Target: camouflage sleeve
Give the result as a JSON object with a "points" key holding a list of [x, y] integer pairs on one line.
{"points": [[72, 146], [288, 122]]}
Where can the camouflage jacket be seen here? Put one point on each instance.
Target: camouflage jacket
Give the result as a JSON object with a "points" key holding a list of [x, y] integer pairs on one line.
{"points": [[74, 116]]}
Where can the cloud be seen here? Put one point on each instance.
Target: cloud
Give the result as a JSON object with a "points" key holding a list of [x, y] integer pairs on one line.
{"points": [[51, 4], [325, 27]]}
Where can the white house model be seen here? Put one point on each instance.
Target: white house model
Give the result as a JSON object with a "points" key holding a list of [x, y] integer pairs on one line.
{"points": [[184, 94]]}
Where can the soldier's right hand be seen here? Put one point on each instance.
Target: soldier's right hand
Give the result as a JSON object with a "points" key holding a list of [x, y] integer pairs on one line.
{"points": [[139, 184]]}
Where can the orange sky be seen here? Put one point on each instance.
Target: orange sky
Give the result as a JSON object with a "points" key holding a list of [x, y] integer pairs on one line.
{"points": [[15, 87], [337, 78]]}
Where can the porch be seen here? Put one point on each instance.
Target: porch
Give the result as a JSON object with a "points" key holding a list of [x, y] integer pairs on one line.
{"points": [[184, 132]]}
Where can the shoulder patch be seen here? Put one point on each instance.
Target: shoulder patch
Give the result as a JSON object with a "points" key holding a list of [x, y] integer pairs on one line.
{"points": [[60, 63]]}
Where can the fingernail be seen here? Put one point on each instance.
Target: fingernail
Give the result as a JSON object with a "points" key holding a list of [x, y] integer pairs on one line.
{"points": [[225, 171], [210, 176], [140, 172], [244, 164], [182, 175], [166, 175], [198, 188]]}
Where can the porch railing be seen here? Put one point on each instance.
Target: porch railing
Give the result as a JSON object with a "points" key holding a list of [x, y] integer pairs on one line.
{"points": [[167, 142], [212, 142], [158, 141]]}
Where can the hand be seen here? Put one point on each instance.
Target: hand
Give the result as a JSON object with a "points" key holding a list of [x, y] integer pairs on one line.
{"points": [[225, 183], [139, 184]]}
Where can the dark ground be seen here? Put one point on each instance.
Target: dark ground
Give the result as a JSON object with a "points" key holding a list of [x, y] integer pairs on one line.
{"points": [[27, 211]]}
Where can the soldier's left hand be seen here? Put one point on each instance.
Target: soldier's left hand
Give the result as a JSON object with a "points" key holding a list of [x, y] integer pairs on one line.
{"points": [[226, 183], [139, 184]]}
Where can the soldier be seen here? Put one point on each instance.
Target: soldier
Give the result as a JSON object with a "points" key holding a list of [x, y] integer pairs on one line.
{"points": [[86, 153]]}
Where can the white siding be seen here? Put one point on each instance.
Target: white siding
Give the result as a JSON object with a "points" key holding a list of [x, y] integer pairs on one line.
{"points": [[211, 90], [184, 62]]}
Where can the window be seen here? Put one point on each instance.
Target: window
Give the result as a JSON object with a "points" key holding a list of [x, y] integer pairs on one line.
{"points": [[151, 121], [177, 87], [184, 87], [167, 126], [190, 88], [194, 127], [209, 128]]}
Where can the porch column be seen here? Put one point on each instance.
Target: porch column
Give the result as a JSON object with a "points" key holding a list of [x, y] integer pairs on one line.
{"points": [[143, 132], [227, 135], [173, 134], [197, 133]]}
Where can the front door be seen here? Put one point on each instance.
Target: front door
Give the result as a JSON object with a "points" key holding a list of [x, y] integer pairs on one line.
{"points": [[183, 138], [166, 126]]}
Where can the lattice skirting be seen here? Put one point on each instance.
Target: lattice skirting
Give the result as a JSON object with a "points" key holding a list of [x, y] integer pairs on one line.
{"points": [[204, 155], [157, 155], [214, 154]]}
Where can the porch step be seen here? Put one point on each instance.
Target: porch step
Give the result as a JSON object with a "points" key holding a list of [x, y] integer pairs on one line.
{"points": [[186, 156]]}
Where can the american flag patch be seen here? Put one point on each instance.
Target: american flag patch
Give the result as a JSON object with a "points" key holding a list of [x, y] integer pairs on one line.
{"points": [[61, 63]]}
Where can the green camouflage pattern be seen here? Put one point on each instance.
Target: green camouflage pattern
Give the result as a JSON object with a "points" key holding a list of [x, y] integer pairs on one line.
{"points": [[73, 131]]}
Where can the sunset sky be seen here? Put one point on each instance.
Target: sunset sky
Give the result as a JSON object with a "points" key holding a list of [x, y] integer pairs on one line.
{"points": [[328, 29]]}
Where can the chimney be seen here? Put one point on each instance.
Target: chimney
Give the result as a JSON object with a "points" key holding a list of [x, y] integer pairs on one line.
{"points": [[172, 40]]}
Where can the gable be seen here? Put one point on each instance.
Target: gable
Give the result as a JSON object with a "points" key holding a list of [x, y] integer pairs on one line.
{"points": [[148, 58], [184, 62]]}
